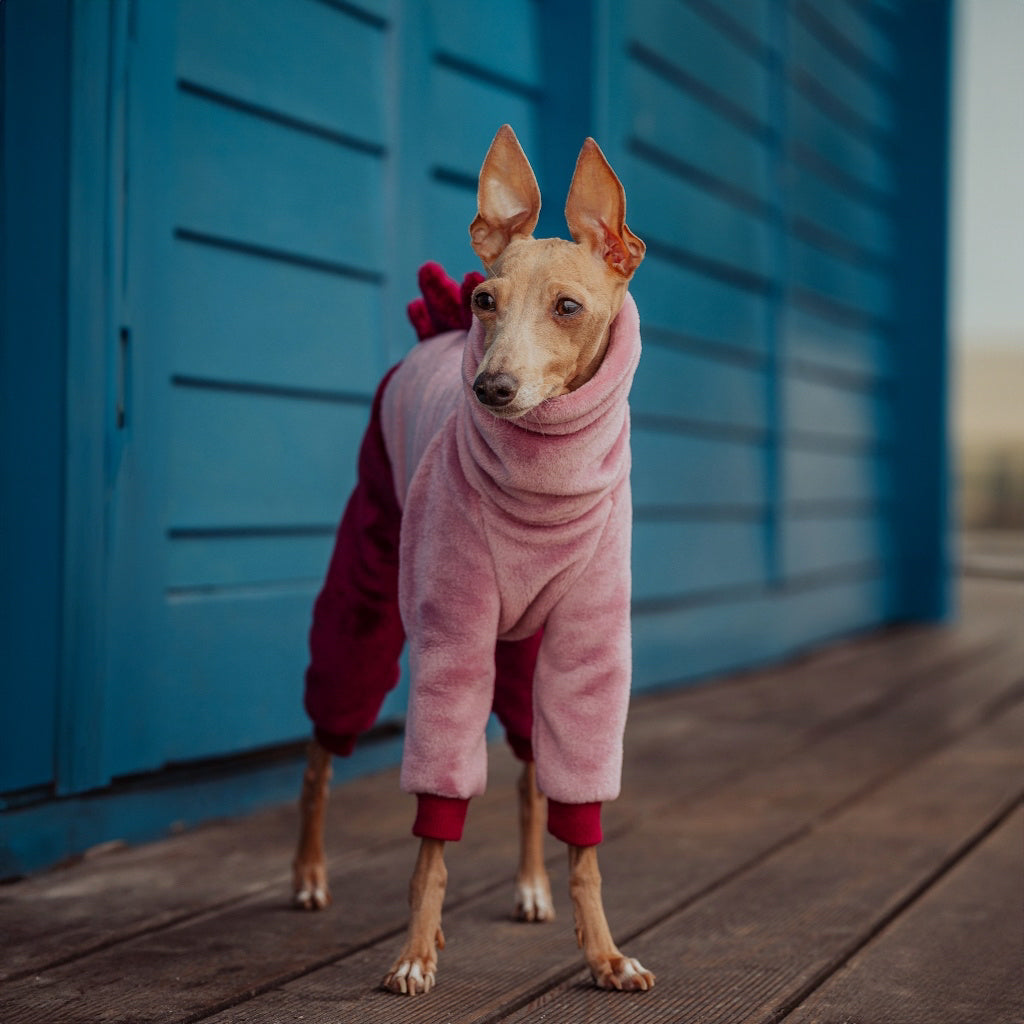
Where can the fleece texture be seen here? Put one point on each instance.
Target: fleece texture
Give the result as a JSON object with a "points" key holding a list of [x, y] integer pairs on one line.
{"points": [[507, 528], [526, 483]]}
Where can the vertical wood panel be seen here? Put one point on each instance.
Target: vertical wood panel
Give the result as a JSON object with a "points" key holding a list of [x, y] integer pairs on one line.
{"points": [[35, 142]]}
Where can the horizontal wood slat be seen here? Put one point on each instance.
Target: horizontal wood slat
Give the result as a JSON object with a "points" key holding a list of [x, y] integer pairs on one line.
{"points": [[245, 191], [233, 458], [256, 320], [706, 59], [244, 50]]}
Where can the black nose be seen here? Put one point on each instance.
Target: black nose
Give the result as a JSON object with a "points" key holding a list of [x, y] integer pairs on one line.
{"points": [[496, 389]]}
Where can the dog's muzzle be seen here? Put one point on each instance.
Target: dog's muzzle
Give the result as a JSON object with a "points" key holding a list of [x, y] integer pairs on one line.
{"points": [[495, 390]]}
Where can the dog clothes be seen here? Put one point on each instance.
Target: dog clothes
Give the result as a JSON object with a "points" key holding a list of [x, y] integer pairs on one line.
{"points": [[509, 530]]}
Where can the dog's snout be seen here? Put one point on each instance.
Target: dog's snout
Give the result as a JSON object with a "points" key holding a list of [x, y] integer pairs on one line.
{"points": [[496, 389]]}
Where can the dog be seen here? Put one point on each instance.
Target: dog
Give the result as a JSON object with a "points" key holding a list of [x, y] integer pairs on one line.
{"points": [[490, 529]]}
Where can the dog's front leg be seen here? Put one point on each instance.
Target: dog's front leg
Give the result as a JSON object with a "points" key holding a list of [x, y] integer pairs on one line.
{"points": [[609, 967], [309, 868], [533, 888], [415, 970]]}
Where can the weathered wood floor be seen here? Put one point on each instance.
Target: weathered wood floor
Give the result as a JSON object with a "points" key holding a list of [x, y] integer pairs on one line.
{"points": [[837, 840]]}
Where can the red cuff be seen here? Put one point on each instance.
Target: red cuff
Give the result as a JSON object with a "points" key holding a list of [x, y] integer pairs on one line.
{"points": [[439, 817], [577, 824], [335, 743]]}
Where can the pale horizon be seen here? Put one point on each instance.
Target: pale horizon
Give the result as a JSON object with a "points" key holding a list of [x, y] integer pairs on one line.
{"points": [[987, 168]]}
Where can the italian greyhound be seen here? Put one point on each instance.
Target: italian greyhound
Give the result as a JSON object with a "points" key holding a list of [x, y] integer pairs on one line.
{"points": [[507, 524]]}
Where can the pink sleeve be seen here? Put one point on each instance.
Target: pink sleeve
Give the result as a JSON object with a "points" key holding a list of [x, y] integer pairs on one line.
{"points": [[450, 609], [581, 689]]}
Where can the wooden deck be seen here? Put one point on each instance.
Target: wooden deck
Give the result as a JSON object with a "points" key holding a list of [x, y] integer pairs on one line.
{"points": [[838, 840]]}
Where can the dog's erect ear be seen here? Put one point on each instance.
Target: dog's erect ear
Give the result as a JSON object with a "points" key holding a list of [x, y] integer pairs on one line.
{"points": [[508, 199], [596, 212]]}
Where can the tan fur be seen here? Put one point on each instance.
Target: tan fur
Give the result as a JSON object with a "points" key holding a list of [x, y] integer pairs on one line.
{"points": [[608, 966], [309, 870], [415, 970], [547, 351], [546, 318], [533, 888]]}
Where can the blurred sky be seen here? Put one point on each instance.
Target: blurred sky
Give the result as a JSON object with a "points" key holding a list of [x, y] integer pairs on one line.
{"points": [[988, 174]]}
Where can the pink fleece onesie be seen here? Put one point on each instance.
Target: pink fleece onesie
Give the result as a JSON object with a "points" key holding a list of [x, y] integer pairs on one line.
{"points": [[513, 581], [509, 526]]}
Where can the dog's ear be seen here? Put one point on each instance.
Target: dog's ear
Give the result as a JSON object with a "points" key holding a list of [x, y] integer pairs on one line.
{"points": [[596, 213], [508, 199]]}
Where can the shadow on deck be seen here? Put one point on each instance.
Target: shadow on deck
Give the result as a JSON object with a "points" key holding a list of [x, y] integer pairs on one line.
{"points": [[838, 839]]}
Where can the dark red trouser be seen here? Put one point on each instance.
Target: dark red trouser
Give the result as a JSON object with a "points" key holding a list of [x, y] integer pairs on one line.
{"points": [[357, 635]]}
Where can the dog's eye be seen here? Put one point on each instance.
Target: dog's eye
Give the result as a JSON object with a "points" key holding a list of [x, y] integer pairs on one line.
{"points": [[484, 301], [566, 307]]}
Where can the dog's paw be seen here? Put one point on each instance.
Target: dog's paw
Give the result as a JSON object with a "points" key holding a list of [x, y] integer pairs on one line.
{"points": [[533, 900], [622, 973], [411, 976], [309, 887]]}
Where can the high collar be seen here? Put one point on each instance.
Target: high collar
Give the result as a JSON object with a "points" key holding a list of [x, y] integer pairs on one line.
{"points": [[562, 457]]}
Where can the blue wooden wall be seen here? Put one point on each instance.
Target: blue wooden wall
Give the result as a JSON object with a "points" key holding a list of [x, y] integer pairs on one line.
{"points": [[214, 276]]}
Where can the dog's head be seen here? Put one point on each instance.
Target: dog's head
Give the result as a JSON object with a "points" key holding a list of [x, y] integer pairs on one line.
{"points": [[547, 303]]}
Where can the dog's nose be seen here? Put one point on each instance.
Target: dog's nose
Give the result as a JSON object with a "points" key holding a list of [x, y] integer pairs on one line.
{"points": [[495, 389]]}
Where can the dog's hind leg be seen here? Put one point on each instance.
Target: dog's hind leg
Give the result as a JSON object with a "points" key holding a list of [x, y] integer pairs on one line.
{"points": [[415, 970], [533, 888], [609, 967], [309, 869]]}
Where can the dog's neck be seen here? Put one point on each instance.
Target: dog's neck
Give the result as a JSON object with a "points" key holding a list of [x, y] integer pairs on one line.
{"points": [[567, 453]]}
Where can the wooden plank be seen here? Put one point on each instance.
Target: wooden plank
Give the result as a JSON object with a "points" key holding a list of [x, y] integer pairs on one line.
{"points": [[38, 386], [689, 387], [954, 956], [686, 302], [812, 543], [247, 318], [694, 45], [839, 281], [481, 107], [679, 470], [865, 33], [752, 17], [203, 562], [246, 50], [727, 154], [862, 93], [671, 559], [259, 183], [234, 657], [448, 211], [516, 24], [665, 207], [849, 220], [808, 338], [722, 631], [821, 409], [850, 155], [832, 604], [833, 477], [234, 458]]}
